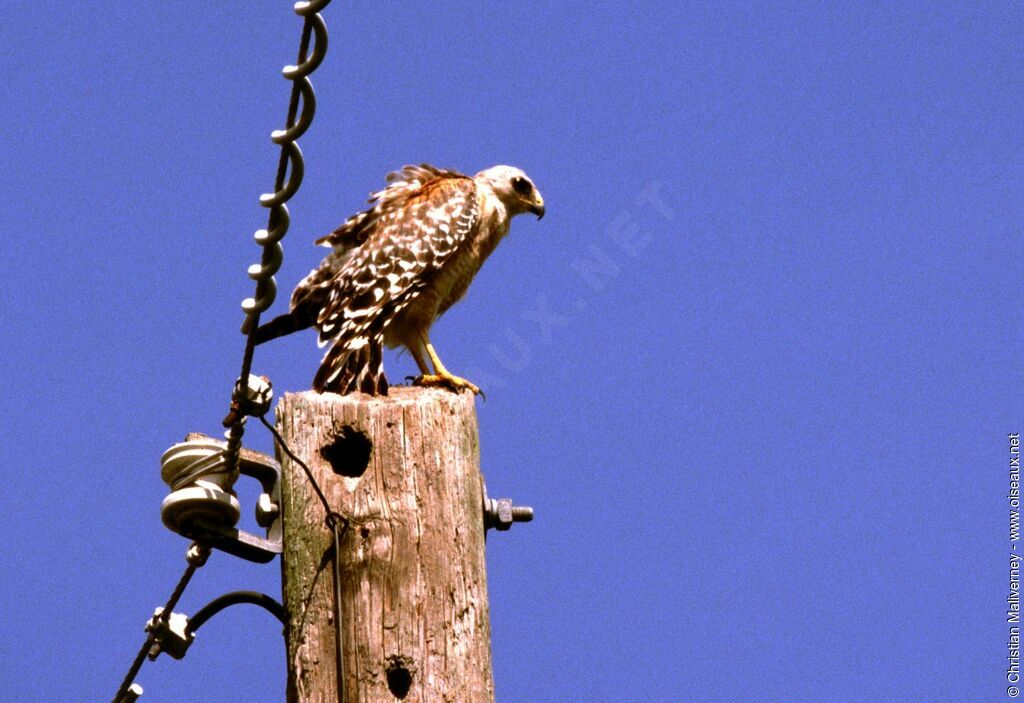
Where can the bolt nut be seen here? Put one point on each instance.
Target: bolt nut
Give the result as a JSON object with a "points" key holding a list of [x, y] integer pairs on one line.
{"points": [[266, 510]]}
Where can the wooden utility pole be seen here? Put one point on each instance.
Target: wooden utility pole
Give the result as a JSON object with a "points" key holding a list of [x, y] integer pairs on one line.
{"points": [[404, 470]]}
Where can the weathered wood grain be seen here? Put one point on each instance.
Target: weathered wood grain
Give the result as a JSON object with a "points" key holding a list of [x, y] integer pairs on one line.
{"points": [[414, 586]]}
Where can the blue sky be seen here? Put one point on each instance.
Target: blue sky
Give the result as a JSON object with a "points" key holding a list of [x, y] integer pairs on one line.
{"points": [[761, 416]]}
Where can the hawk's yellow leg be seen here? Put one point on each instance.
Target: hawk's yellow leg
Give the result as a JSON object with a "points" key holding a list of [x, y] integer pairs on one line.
{"points": [[417, 353], [441, 375]]}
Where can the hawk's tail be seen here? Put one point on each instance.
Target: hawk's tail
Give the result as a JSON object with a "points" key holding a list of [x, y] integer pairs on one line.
{"points": [[347, 370]]}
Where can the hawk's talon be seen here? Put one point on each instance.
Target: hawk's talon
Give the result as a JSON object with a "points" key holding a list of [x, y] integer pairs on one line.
{"points": [[447, 380]]}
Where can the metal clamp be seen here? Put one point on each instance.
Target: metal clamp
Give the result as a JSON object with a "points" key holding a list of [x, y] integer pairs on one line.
{"points": [[255, 396], [171, 634]]}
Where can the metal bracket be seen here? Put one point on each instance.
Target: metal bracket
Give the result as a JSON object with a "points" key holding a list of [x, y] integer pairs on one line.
{"points": [[205, 508]]}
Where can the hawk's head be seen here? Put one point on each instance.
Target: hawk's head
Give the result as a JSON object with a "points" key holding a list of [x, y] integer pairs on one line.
{"points": [[514, 188]]}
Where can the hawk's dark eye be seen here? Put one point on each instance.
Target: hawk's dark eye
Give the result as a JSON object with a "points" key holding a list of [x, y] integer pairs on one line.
{"points": [[521, 185]]}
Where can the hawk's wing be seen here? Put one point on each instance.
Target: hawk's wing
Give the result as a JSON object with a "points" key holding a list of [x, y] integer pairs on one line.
{"points": [[415, 232], [400, 185], [310, 294]]}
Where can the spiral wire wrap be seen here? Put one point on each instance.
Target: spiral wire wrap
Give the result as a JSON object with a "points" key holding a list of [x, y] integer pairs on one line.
{"points": [[290, 170]]}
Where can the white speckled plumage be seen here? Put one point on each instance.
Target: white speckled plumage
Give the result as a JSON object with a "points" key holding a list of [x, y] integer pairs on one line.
{"points": [[396, 267]]}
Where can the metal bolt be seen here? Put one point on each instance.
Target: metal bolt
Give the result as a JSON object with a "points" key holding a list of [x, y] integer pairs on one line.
{"points": [[522, 513], [500, 513]]}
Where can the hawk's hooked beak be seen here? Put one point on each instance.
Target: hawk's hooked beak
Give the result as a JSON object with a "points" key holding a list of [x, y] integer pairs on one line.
{"points": [[538, 207]]}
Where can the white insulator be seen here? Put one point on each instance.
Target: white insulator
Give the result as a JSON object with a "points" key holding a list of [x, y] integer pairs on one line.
{"points": [[201, 484], [180, 509]]}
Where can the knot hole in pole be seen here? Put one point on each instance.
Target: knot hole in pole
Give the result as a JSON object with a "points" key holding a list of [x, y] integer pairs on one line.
{"points": [[348, 453], [399, 672]]}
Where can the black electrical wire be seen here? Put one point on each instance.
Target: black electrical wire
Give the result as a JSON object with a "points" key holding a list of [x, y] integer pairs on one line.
{"points": [[300, 462], [338, 527], [235, 598], [133, 670], [197, 555], [235, 420]]}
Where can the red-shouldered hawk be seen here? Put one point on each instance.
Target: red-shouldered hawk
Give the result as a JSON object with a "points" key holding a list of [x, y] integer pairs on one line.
{"points": [[397, 267]]}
